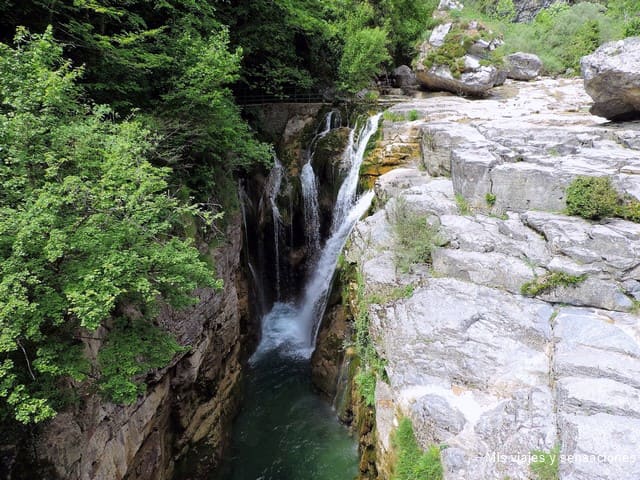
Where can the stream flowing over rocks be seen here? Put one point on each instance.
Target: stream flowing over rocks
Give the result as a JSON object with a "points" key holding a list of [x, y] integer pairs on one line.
{"points": [[489, 374]]}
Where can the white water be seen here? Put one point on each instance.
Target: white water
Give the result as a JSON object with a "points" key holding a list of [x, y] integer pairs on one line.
{"points": [[291, 329], [353, 157], [317, 289], [309, 184], [274, 181]]}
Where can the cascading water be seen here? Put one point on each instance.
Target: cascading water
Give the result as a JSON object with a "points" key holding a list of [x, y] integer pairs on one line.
{"points": [[353, 157], [285, 431], [309, 184], [274, 182]]}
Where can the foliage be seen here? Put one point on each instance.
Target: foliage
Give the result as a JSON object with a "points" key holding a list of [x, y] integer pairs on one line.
{"points": [[490, 198], [390, 116], [560, 34], [405, 21], [413, 115], [412, 462], [415, 238], [134, 347], [463, 204], [86, 225], [365, 50], [629, 210], [546, 465], [549, 282], [591, 197]]}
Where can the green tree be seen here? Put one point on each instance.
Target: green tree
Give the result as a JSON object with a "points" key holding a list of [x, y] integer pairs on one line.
{"points": [[87, 230]]}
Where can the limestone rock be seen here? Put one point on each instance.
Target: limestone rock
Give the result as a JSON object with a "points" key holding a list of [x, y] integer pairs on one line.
{"points": [[469, 77], [404, 77], [526, 10], [523, 66], [612, 78]]}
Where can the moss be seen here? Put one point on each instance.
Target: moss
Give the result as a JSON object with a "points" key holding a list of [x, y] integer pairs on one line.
{"points": [[412, 462], [549, 282], [457, 43]]}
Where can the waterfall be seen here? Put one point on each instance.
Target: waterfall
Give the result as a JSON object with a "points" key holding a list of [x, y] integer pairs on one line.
{"points": [[243, 200], [353, 157], [309, 185], [292, 329], [311, 208], [274, 182]]}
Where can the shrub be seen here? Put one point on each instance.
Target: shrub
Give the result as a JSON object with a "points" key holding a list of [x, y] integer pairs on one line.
{"points": [[490, 198], [413, 115], [415, 239], [632, 28], [592, 198], [412, 463]]}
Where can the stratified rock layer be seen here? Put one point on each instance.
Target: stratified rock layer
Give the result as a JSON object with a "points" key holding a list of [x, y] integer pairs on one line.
{"points": [[479, 368]]}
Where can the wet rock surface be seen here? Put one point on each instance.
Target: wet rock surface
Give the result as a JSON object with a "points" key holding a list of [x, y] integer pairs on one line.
{"points": [[477, 366]]}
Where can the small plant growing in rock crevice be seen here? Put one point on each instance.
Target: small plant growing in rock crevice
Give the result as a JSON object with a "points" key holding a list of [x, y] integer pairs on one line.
{"points": [[413, 115], [490, 198], [546, 466], [415, 238], [391, 116], [549, 282], [463, 204], [411, 461]]}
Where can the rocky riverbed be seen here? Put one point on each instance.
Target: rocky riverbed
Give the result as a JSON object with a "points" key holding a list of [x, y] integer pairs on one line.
{"points": [[490, 374]]}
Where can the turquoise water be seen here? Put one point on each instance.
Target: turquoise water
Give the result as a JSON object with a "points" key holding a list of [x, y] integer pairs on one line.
{"points": [[285, 431]]}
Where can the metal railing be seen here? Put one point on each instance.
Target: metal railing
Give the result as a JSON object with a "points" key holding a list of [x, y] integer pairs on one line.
{"points": [[294, 96]]}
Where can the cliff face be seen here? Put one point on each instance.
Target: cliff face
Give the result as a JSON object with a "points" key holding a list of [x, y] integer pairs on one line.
{"points": [[491, 374], [191, 401]]}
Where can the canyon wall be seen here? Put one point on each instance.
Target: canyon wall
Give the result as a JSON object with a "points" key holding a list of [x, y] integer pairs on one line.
{"points": [[190, 402]]}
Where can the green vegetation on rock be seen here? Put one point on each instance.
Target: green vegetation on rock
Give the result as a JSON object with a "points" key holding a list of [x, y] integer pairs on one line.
{"points": [[549, 282], [412, 462], [595, 198], [546, 465], [415, 238], [562, 33], [591, 197]]}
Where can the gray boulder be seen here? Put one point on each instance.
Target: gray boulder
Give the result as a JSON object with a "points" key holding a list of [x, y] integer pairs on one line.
{"points": [[404, 77], [526, 10], [470, 76], [523, 66], [612, 78]]}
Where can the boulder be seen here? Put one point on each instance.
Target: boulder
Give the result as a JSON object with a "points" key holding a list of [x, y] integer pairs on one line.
{"points": [[526, 10], [404, 77], [612, 78], [450, 5], [464, 74], [523, 66]]}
